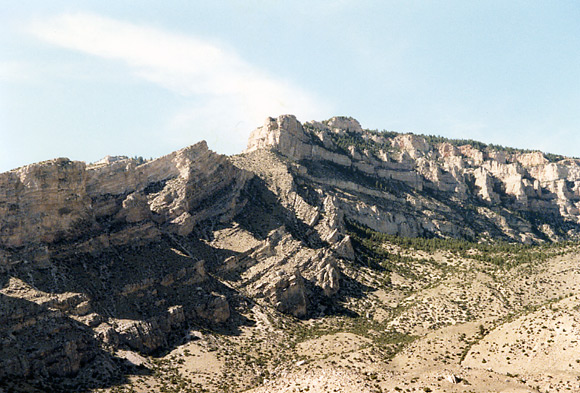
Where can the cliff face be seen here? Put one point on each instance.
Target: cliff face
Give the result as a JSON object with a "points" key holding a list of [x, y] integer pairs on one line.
{"points": [[523, 195], [97, 257], [426, 189], [116, 257], [61, 200]]}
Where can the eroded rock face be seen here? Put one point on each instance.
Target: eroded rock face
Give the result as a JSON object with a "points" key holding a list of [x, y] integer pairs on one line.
{"points": [[288, 294], [44, 202], [38, 340], [99, 257], [329, 276], [414, 145], [285, 132], [116, 256], [525, 184], [64, 200], [342, 124], [344, 249], [214, 308]]}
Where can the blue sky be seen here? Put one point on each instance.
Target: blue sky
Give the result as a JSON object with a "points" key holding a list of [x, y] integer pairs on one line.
{"points": [[87, 78]]}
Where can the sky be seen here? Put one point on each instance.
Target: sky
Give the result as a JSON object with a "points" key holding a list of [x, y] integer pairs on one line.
{"points": [[91, 78]]}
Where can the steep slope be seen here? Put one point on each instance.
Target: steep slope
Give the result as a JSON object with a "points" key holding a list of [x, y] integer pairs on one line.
{"points": [[402, 184], [97, 257], [117, 256], [324, 257]]}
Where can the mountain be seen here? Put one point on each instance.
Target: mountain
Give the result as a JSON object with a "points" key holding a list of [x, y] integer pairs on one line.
{"points": [[325, 256], [405, 185]]}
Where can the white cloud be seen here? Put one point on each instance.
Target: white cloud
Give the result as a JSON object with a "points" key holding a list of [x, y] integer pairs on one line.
{"points": [[224, 91]]}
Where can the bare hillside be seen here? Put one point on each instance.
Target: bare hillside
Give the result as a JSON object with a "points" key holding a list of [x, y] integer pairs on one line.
{"points": [[324, 258]]}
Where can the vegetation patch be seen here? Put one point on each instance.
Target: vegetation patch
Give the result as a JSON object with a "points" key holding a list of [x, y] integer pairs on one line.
{"points": [[499, 253]]}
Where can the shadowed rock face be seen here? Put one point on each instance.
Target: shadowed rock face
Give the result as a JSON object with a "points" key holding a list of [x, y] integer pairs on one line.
{"points": [[93, 258], [119, 256]]}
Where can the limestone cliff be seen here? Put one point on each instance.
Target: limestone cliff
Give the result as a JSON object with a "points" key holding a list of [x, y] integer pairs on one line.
{"points": [[62, 200], [403, 184], [99, 257], [121, 256]]}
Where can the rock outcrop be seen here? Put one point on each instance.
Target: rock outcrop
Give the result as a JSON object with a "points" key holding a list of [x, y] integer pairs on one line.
{"points": [[521, 192], [122, 256], [99, 257], [62, 200], [288, 294]]}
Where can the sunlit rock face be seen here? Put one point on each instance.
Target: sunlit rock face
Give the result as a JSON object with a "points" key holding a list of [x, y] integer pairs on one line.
{"points": [[61, 200], [95, 258], [125, 256], [515, 188]]}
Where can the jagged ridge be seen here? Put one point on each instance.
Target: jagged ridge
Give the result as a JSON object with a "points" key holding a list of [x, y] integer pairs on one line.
{"points": [[410, 187], [126, 257]]}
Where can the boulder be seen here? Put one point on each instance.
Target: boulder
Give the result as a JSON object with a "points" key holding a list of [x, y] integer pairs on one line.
{"points": [[288, 294]]}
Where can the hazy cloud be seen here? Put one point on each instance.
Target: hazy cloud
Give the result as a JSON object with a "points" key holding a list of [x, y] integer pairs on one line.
{"points": [[223, 89]]}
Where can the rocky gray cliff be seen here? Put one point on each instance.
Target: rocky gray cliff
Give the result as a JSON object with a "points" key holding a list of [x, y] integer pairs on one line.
{"points": [[403, 184], [123, 257], [61, 200], [96, 257]]}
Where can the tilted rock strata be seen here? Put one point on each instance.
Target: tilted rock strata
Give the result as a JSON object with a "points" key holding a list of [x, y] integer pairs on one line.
{"points": [[106, 239], [115, 256], [112, 254], [64, 200], [508, 183]]}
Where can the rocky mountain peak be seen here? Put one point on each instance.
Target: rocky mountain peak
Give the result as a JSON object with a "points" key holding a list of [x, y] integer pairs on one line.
{"points": [[276, 132], [376, 239], [511, 188], [61, 200]]}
